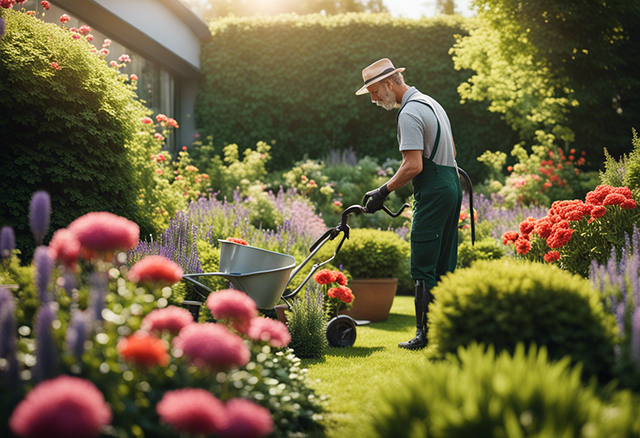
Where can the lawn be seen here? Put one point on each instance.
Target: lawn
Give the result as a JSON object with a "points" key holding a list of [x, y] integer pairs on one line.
{"points": [[352, 377]]}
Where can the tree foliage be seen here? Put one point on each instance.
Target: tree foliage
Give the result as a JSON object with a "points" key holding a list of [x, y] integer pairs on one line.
{"points": [[566, 68]]}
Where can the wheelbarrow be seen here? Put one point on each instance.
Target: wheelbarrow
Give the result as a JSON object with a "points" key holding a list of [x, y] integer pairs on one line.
{"points": [[264, 275]]}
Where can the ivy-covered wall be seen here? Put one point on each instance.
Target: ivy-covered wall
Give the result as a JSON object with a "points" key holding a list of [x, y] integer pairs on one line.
{"points": [[292, 79]]}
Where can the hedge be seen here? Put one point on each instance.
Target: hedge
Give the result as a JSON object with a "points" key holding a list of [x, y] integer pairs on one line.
{"points": [[292, 79], [71, 130]]}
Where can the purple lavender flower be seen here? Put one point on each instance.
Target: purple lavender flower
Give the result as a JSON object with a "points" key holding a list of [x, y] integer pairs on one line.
{"points": [[8, 335], [3, 27], [43, 267], [77, 334], [7, 242], [97, 289], [46, 353], [39, 215]]}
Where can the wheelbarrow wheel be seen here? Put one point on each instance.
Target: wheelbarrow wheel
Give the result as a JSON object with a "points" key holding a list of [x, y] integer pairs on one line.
{"points": [[341, 331]]}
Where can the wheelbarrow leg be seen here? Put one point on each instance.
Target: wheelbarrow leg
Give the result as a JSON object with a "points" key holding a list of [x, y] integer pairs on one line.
{"points": [[193, 307]]}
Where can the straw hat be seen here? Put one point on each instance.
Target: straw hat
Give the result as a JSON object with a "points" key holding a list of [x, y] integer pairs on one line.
{"points": [[376, 72]]}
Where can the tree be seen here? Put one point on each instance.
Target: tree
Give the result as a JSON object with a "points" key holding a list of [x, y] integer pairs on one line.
{"points": [[446, 7], [566, 70]]}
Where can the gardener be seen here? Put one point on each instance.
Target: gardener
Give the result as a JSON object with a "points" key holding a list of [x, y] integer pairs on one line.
{"points": [[428, 161]]}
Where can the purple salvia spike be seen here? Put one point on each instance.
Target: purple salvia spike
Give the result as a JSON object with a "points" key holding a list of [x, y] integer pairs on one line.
{"points": [[635, 338], [7, 242], [77, 334], [97, 289], [43, 265], [46, 353], [621, 309], [8, 347], [39, 215]]}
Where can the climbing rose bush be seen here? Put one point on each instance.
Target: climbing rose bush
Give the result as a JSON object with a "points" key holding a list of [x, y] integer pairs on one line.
{"points": [[576, 232]]}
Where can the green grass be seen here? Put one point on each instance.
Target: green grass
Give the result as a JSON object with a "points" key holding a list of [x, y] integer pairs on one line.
{"points": [[353, 377]]}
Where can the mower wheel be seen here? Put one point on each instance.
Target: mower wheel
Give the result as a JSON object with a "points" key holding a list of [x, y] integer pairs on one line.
{"points": [[341, 331]]}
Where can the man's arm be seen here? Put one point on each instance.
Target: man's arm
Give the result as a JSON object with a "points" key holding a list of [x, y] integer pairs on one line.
{"points": [[410, 167]]}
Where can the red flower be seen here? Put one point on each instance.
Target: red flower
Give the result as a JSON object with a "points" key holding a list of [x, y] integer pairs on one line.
{"points": [[134, 77], [172, 319], [7, 3], [269, 330], [543, 227], [62, 407], [146, 120], [628, 204], [345, 294], [213, 346], [526, 226], [144, 349], [55, 66], [234, 307], [237, 240], [84, 30], [64, 18], [523, 246], [161, 118], [559, 238], [325, 276], [104, 231], [333, 292], [246, 420], [551, 256], [598, 211], [341, 279], [193, 411], [155, 269], [65, 247], [45, 4], [509, 237], [614, 199]]}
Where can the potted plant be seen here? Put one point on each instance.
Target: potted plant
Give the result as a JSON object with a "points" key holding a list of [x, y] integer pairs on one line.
{"points": [[373, 259]]}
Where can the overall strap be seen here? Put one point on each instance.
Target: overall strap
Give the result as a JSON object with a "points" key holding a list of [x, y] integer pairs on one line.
{"points": [[437, 140]]}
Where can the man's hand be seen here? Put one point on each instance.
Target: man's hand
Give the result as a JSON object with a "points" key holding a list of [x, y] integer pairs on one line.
{"points": [[376, 198]]}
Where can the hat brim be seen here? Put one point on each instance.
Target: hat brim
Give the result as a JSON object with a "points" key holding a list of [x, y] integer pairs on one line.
{"points": [[364, 90]]}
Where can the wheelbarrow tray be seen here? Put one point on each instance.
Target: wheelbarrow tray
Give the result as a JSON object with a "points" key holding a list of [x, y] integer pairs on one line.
{"points": [[260, 273]]}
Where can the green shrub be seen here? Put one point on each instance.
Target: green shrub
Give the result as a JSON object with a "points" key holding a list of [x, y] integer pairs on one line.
{"points": [[258, 75], [72, 130], [372, 254], [307, 325], [481, 394], [486, 249], [504, 302]]}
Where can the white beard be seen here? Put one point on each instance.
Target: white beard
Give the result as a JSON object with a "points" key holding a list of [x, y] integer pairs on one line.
{"points": [[387, 99]]}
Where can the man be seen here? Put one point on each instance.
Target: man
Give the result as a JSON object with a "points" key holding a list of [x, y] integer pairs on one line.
{"points": [[428, 161]]}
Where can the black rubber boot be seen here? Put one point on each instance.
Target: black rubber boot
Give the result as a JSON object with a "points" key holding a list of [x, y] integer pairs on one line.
{"points": [[417, 343], [421, 303]]}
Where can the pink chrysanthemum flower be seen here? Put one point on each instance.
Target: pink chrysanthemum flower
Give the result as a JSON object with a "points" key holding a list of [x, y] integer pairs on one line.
{"points": [[193, 411], [172, 319], [269, 330], [65, 406], [156, 269], [233, 307], [144, 349], [212, 345], [246, 419], [65, 247], [104, 231]]}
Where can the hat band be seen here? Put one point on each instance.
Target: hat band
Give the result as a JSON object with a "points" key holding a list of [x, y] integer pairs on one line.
{"points": [[389, 70]]}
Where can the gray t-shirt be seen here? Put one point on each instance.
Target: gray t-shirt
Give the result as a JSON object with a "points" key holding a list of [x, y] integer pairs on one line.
{"points": [[418, 127]]}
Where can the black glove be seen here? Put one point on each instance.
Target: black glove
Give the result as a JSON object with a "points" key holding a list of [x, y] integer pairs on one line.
{"points": [[376, 198]]}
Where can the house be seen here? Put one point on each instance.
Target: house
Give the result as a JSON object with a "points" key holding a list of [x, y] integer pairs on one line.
{"points": [[161, 37]]}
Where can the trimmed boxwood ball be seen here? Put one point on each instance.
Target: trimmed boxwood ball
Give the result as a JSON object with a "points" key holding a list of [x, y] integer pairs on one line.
{"points": [[481, 394], [485, 249], [506, 301]]}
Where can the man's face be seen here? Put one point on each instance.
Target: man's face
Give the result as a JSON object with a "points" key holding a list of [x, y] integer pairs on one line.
{"points": [[382, 95]]}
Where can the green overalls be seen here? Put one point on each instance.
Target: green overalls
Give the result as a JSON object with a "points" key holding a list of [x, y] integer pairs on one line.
{"points": [[436, 210]]}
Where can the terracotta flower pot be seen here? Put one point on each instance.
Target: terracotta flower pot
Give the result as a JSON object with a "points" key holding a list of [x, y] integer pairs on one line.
{"points": [[373, 298], [280, 308]]}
